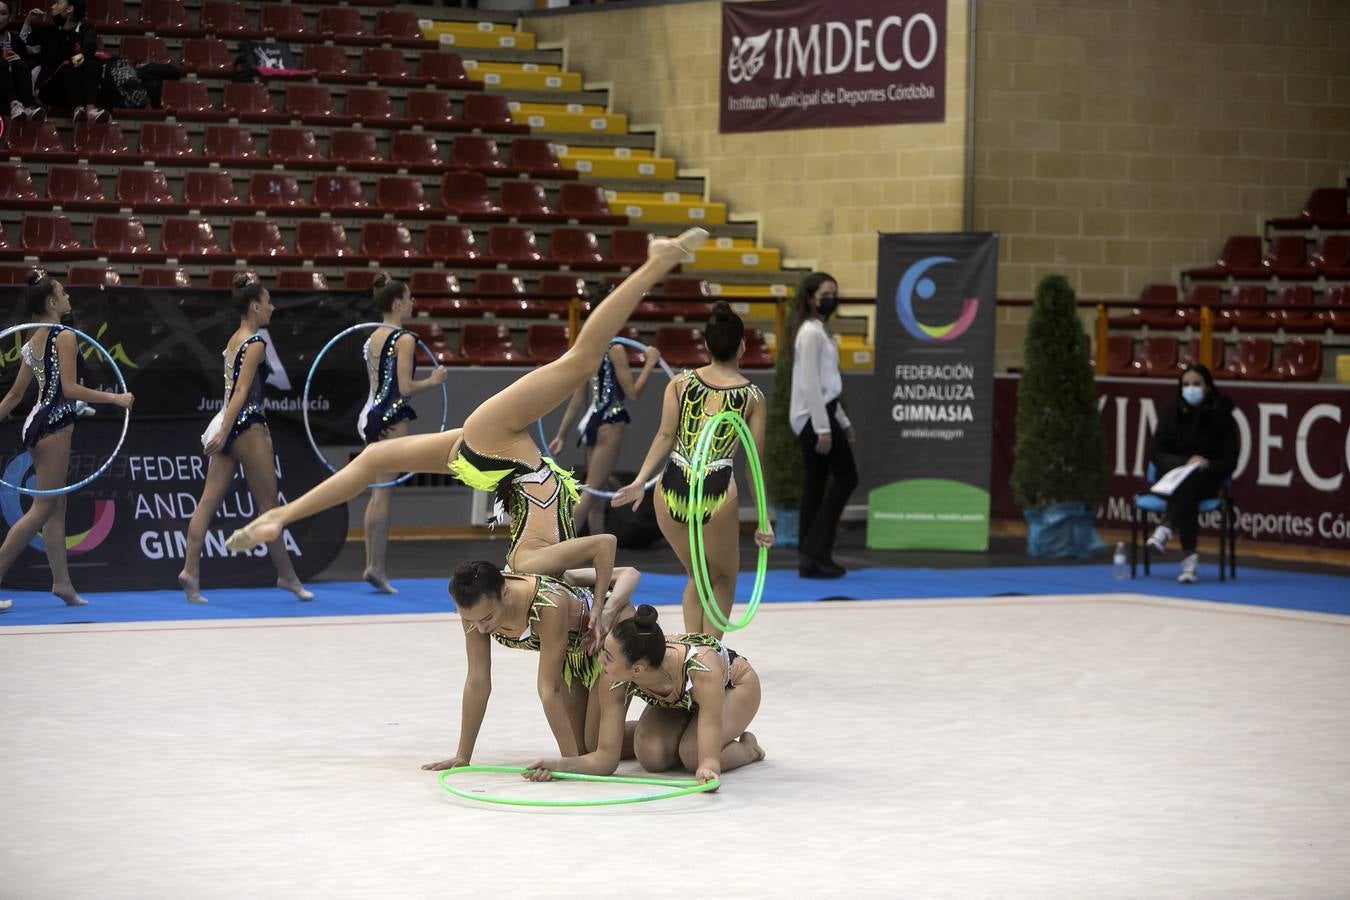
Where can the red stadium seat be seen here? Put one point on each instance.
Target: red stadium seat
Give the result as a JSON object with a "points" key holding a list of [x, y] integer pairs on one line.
{"points": [[429, 108], [323, 241], [167, 142], [52, 237], [387, 65], [190, 238], [1305, 321], [13, 274], [558, 285], [139, 50], [1190, 354], [93, 276], [189, 101], [401, 194], [372, 106], [104, 142], [681, 347], [167, 17], [628, 247], [586, 204], [1245, 308], [342, 22], [399, 25], [452, 244], [1332, 258], [1300, 360], [1241, 258], [757, 355], [389, 241], [415, 151], [73, 186], [284, 21], [478, 154], [490, 113], [275, 191], [355, 147], [229, 144], [301, 280], [445, 70], [1324, 208], [250, 102], [1251, 359], [339, 192], [36, 139], [223, 279], [433, 283], [359, 280], [17, 190], [207, 56], [515, 245], [1337, 313], [146, 189], [174, 277], [577, 248], [210, 190], [257, 240], [1158, 357], [288, 144], [1158, 308], [545, 343], [226, 18], [330, 62], [499, 284], [122, 239], [108, 16], [488, 345], [1119, 354], [537, 157], [312, 103], [1287, 259], [675, 286], [466, 195], [526, 200]]}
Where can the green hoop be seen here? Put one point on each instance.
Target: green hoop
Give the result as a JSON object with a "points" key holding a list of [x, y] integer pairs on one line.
{"points": [[697, 467], [682, 787]]}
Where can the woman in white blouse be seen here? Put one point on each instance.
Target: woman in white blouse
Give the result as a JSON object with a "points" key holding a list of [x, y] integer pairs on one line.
{"points": [[822, 427]]}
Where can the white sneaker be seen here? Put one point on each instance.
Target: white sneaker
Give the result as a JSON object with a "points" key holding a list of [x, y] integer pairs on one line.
{"points": [[17, 112], [1188, 567], [1157, 542]]}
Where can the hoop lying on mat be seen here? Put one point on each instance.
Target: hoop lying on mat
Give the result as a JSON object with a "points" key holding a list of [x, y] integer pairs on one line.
{"points": [[682, 787]]}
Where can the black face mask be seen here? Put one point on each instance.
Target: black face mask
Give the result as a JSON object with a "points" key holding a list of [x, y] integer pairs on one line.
{"points": [[827, 306]]}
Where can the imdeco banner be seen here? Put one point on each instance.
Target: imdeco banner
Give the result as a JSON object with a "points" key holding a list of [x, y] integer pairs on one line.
{"points": [[790, 64], [932, 408]]}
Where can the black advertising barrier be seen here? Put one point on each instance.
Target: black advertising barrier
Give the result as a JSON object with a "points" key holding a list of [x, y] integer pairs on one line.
{"points": [[824, 63], [128, 526], [932, 411]]}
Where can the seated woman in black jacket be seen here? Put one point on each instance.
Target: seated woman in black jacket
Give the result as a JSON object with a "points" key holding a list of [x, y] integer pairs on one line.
{"points": [[68, 73], [1198, 426]]}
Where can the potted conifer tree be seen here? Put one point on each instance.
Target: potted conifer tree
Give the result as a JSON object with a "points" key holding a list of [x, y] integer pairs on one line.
{"points": [[1059, 467]]}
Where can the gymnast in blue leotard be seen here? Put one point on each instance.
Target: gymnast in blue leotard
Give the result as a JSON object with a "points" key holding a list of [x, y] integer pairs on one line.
{"points": [[49, 358], [238, 436], [389, 356]]}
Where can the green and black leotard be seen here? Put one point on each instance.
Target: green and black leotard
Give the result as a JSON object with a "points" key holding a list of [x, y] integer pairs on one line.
{"points": [[695, 647], [578, 665], [699, 402], [507, 479]]}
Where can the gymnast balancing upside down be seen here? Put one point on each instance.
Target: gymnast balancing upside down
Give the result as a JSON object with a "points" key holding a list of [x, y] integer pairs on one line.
{"points": [[493, 451], [549, 616], [50, 358], [700, 699]]}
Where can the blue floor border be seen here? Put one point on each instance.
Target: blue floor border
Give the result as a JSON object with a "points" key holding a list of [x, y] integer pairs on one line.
{"points": [[1279, 589]]}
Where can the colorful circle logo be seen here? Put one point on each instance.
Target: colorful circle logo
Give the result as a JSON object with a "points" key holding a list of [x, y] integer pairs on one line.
{"points": [[915, 282], [21, 467]]}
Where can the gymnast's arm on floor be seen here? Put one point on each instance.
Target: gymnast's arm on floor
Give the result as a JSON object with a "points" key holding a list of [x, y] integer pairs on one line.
{"points": [[709, 690], [551, 627], [473, 705], [604, 760]]}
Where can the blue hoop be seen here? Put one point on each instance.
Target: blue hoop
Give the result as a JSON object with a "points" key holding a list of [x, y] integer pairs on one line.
{"points": [[126, 417], [543, 441], [314, 366]]}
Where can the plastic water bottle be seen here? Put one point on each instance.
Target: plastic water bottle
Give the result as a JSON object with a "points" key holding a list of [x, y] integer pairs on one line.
{"points": [[1120, 565]]}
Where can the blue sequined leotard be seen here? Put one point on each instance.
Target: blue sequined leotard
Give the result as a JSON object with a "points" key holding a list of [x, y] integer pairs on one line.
{"points": [[53, 411], [385, 407], [607, 403], [251, 413]]}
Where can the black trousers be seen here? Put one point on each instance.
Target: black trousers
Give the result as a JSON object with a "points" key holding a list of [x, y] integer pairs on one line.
{"points": [[1183, 507], [73, 86], [828, 480], [15, 84]]}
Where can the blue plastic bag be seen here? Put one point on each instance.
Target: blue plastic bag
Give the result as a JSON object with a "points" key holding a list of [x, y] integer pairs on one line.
{"points": [[1062, 531]]}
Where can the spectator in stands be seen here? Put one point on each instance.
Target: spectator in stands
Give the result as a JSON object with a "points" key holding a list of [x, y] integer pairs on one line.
{"points": [[68, 70], [1197, 427], [822, 427], [16, 79]]}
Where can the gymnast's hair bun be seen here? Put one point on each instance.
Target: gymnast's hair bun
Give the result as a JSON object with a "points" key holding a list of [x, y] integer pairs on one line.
{"points": [[645, 619]]}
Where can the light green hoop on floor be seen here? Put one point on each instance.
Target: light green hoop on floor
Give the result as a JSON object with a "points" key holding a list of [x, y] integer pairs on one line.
{"points": [[697, 466], [682, 786]]}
